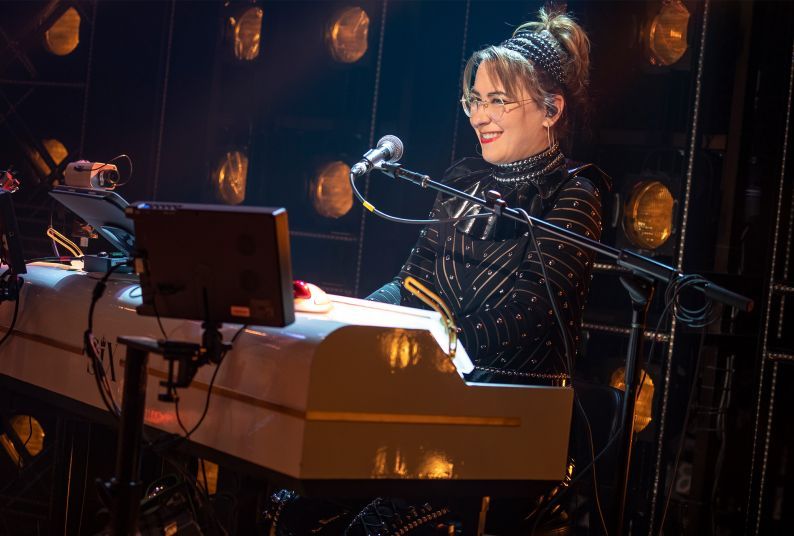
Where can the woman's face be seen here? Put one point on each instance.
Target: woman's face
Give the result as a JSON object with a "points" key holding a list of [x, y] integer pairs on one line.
{"points": [[519, 133]]}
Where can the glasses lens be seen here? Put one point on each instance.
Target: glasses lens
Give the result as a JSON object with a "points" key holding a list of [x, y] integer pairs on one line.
{"points": [[466, 104]]}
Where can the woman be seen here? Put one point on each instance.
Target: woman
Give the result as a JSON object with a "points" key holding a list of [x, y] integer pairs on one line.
{"points": [[519, 97]]}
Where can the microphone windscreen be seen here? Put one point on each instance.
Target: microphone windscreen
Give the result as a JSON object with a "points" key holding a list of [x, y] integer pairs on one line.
{"points": [[395, 144]]}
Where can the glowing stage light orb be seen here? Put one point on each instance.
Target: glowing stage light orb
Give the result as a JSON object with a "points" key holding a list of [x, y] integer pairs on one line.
{"points": [[667, 36], [231, 177], [648, 218], [347, 35], [643, 410], [331, 192], [64, 35], [247, 34]]}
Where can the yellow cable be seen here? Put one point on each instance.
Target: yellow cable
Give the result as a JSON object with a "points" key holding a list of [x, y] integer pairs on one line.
{"points": [[432, 300], [73, 248]]}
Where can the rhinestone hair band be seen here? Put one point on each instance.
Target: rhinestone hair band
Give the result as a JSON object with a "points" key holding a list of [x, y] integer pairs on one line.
{"points": [[541, 49]]}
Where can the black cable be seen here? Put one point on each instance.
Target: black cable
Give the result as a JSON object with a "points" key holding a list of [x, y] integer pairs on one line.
{"points": [[89, 345], [118, 157], [566, 339], [409, 221], [687, 415], [13, 319]]}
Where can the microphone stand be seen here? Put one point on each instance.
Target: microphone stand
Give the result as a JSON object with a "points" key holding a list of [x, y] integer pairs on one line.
{"points": [[644, 274]]}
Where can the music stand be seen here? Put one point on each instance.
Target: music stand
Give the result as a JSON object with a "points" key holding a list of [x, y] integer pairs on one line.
{"points": [[103, 210], [197, 262]]}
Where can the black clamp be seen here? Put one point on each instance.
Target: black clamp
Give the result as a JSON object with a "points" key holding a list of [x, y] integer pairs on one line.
{"points": [[494, 201]]}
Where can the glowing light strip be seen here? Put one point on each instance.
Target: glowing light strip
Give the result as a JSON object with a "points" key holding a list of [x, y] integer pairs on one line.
{"points": [[764, 348], [373, 119], [679, 264], [648, 334]]}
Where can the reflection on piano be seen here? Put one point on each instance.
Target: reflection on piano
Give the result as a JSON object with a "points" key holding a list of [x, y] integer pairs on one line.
{"points": [[362, 394]]}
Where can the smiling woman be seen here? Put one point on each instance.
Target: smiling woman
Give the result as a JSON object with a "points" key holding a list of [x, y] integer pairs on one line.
{"points": [[502, 284], [520, 97]]}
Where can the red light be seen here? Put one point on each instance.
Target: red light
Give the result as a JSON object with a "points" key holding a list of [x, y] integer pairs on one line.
{"points": [[301, 290]]}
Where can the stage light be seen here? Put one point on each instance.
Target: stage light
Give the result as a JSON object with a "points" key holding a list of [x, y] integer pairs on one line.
{"points": [[346, 35], [55, 149], [648, 220], [64, 35], [331, 193], [231, 176], [667, 35], [207, 475], [247, 33], [643, 410], [29, 431]]}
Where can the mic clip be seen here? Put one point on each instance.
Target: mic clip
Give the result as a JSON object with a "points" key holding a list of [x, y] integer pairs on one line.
{"points": [[397, 171], [495, 202]]}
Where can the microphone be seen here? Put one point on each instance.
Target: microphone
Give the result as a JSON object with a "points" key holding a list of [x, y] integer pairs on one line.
{"points": [[389, 149]]}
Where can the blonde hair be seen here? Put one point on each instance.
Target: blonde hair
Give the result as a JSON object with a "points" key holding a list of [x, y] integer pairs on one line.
{"points": [[515, 72]]}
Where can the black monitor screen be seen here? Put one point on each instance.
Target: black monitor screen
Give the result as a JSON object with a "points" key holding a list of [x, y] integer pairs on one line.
{"points": [[214, 263]]}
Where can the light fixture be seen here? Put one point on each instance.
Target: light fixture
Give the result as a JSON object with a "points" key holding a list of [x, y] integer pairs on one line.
{"points": [[55, 150], [643, 410], [29, 432], [648, 214], [667, 34], [247, 33], [231, 176], [64, 35], [346, 35], [207, 475], [331, 193]]}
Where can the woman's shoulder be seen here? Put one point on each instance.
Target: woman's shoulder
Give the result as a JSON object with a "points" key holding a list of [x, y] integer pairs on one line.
{"points": [[588, 175]]}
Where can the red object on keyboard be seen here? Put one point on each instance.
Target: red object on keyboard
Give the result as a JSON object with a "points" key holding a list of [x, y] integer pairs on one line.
{"points": [[301, 290]]}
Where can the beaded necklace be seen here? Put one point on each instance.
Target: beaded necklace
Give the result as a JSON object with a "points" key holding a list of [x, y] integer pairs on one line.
{"points": [[529, 168]]}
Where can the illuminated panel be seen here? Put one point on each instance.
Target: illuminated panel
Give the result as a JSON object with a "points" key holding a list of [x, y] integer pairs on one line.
{"points": [[247, 33], [230, 178], [667, 35], [648, 220], [643, 410], [331, 193], [64, 35], [347, 35]]}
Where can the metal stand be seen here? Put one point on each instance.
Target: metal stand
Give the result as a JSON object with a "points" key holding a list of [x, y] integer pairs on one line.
{"points": [[645, 272], [641, 293], [125, 488]]}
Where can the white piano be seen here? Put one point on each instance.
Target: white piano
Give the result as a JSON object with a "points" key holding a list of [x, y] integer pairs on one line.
{"points": [[363, 394]]}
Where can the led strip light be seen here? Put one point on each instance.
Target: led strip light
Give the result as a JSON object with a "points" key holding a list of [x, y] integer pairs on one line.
{"points": [[679, 263], [764, 350]]}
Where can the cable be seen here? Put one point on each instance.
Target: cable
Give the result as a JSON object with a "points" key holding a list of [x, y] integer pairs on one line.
{"points": [[91, 349], [13, 318], [58, 237], [369, 206], [680, 449], [106, 164]]}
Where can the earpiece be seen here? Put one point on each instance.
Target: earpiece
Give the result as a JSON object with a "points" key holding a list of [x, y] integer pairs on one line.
{"points": [[551, 108]]}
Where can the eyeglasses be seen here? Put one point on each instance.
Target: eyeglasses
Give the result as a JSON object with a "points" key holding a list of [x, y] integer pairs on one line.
{"points": [[495, 108]]}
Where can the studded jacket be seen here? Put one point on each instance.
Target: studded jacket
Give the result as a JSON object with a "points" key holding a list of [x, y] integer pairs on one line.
{"points": [[488, 271]]}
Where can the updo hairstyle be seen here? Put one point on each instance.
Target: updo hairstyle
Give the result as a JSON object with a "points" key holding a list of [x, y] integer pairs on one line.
{"points": [[515, 71]]}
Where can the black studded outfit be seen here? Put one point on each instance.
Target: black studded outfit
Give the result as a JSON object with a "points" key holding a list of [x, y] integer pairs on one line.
{"points": [[488, 271]]}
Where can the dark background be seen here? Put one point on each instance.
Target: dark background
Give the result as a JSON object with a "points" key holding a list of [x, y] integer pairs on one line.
{"points": [[158, 81]]}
